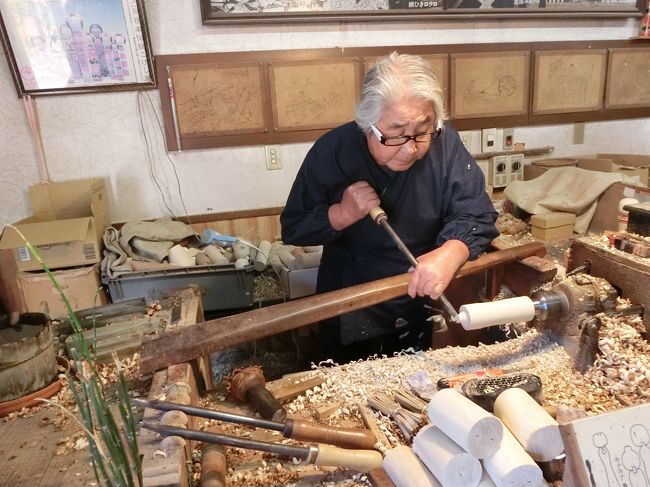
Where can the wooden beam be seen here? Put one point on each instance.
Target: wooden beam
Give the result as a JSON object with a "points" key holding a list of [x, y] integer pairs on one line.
{"points": [[627, 274], [185, 344]]}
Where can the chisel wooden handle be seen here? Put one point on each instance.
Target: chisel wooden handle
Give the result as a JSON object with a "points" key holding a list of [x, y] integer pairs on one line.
{"points": [[379, 478], [358, 438], [359, 460], [213, 465]]}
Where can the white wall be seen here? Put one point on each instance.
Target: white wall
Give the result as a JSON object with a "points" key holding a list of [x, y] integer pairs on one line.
{"points": [[100, 135]]}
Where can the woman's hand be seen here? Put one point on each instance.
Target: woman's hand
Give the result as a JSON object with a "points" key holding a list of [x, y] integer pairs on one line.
{"points": [[436, 269], [357, 201]]}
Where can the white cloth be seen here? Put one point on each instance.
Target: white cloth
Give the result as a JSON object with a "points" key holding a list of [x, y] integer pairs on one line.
{"points": [[568, 189]]}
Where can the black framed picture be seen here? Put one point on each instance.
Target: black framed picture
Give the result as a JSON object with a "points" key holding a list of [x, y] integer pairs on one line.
{"points": [[76, 46], [308, 11]]}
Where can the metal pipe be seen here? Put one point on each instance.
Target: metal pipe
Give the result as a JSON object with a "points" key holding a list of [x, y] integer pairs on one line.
{"points": [[379, 216], [302, 452], [211, 414]]}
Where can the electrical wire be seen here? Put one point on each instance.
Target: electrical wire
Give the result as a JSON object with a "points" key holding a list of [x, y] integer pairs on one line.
{"points": [[142, 97]]}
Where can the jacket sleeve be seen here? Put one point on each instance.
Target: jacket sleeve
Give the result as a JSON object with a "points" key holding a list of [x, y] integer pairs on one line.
{"points": [[317, 186], [469, 213]]}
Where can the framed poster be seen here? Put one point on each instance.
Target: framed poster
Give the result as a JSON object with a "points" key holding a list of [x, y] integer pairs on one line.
{"points": [[218, 12], [76, 46]]}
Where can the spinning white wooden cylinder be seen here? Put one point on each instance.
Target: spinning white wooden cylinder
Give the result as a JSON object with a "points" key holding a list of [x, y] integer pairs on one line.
{"points": [[480, 315]]}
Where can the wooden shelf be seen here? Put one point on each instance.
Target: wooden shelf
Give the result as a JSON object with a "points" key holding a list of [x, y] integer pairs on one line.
{"points": [[538, 151]]}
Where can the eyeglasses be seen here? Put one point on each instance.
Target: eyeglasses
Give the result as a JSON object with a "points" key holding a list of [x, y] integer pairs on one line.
{"points": [[403, 139]]}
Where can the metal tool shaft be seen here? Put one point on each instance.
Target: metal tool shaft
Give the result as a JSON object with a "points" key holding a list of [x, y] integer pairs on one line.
{"points": [[211, 414], [302, 452], [383, 221], [380, 217]]}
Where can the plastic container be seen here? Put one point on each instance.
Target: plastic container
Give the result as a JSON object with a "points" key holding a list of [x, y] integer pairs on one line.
{"points": [[224, 286]]}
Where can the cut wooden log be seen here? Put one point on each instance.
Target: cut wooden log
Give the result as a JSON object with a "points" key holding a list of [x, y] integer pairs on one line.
{"points": [[406, 470], [474, 429], [262, 256], [533, 427], [486, 481], [511, 466], [448, 462], [203, 338]]}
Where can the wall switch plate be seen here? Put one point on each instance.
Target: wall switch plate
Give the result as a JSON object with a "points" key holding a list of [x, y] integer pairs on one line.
{"points": [[489, 140], [273, 161], [508, 138]]}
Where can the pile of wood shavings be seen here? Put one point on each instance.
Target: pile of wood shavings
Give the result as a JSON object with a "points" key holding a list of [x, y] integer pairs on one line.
{"points": [[621, 342], [601, 241], [622, 368], [619, 377]]}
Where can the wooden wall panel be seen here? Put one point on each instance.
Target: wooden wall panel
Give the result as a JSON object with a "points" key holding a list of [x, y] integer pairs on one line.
{"points": [[566, 81], [219, 99], [313, 94], [275, 97], [628, 78], [489, 84]]}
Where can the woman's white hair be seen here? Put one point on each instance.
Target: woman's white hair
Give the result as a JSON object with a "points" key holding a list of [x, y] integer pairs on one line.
{"points": [[394, 77]]}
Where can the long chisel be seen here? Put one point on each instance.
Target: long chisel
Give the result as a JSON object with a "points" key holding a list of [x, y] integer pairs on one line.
{"points": [[297, 429], [380, 218], [324, 455]]}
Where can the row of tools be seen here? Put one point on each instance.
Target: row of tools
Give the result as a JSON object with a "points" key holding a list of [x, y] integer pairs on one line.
{"points": [[357, 449]]}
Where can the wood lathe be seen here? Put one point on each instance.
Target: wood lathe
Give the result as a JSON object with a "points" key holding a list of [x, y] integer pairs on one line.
{"points": [[566, 310], [178, 346]]}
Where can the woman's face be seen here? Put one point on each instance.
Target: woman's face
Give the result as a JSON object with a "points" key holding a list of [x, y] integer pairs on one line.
{"points": [[408, 116]]}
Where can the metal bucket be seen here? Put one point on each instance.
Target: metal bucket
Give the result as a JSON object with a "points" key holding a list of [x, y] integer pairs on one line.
{"points": [[27, 356]]}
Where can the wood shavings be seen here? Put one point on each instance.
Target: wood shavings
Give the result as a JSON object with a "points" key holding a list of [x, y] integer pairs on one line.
{"points": [[509, 224]]}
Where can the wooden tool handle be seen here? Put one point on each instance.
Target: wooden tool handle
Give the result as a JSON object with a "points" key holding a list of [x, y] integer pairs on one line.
{"points": [[187, 343], [359, 460], [357, 438], [376, 213], [213, 465], [379, 478]]}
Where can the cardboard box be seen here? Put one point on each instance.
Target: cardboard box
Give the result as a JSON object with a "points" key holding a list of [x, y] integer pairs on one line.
{"points": [[551, 226], [631, 165], [299, 283], [80, 287], [67, 226]]}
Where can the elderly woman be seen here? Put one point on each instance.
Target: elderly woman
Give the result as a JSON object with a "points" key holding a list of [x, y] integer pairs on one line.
{"points": [[400, 155]]}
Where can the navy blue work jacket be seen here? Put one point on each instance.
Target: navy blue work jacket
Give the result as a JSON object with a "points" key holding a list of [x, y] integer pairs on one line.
{"points": [[441, 197]]}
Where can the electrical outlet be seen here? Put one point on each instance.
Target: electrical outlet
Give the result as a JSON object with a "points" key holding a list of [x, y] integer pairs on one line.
{"points": [[508, 139], [489, 140], [273, 161]]}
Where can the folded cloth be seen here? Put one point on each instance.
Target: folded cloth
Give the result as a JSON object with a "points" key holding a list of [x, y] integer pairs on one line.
{"points": [[140, 241], [154, 239], [568, 189], [115, 260]]}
